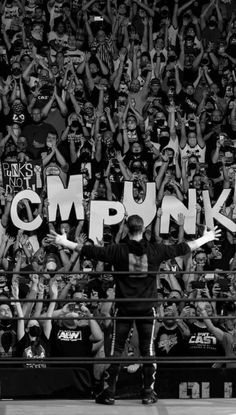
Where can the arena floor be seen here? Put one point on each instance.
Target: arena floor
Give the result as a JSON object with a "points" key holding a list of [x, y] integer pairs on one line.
{"points": [[125, 407]]}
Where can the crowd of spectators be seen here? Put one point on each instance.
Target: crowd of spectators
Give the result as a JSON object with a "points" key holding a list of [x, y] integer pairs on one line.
{"points": [[117, 90]]}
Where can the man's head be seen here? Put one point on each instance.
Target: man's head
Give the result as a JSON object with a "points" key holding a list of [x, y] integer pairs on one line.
{"points": [[60, 28], [93, 69], [131, 122], [189, 42], [135, 225], [38, 14], [136, 148], [36, 115], [192, 139], [135, 86], [101, 36], [208, 307], [155, 85], [189, 88], [51, 262], [6, 313], [122, 9], [21, 143], [88, 109], [197, 181], [33, 328], [159, 43], [51, 140], [16, 69], [216, 117], [214, 89], [212, 22], [65, 227], [201, 257]]}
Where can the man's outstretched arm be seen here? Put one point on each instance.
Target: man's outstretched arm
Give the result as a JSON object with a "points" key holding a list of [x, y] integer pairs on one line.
{"points": [[208, 236], [63, 241], [104, 254]]}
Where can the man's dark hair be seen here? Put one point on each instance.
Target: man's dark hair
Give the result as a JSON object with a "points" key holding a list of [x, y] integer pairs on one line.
{"points": [[135, 224]]}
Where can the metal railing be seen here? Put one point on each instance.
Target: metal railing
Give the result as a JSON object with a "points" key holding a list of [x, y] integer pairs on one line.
{"points": [[64, 361]]}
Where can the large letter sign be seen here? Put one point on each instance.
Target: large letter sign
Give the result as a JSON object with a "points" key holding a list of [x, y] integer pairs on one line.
{"points": [[100, 215], [63, 198], [146, 209], [100, 210], [33, 198], [213, 212], [172, 207]]}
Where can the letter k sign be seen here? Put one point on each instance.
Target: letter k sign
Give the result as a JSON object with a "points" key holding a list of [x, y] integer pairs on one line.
{"points": [[212, 213]]}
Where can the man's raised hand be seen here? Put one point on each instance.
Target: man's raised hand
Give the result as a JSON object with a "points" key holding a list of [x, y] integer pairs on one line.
{"points": [[54, 237], [213, 234]]}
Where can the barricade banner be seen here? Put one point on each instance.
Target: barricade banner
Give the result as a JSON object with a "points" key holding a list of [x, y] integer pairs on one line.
{"points": [[66, 383]]}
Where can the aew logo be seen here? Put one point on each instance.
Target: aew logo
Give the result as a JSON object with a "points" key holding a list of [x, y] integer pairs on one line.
{"points": [[69, 336]]}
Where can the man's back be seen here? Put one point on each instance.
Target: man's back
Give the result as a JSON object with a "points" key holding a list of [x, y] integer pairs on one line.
{"points": [[136, 257]]}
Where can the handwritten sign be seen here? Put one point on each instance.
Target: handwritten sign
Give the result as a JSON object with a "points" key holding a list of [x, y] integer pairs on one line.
{"points": [[18, 176]]}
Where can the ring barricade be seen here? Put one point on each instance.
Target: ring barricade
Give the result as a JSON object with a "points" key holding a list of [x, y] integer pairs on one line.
{"points": [[109, 360], [182, 379]]}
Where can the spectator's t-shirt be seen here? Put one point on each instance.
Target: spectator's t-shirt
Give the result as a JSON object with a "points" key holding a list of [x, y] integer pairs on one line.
{"points": [[202, 343], [187, 102], [68, 342], [7, 340], [59, 40], [194, 151], [44, 96], [10, 12], [17, 117], [27, 350], [169, 342], [213, 36], [57, 120]]}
